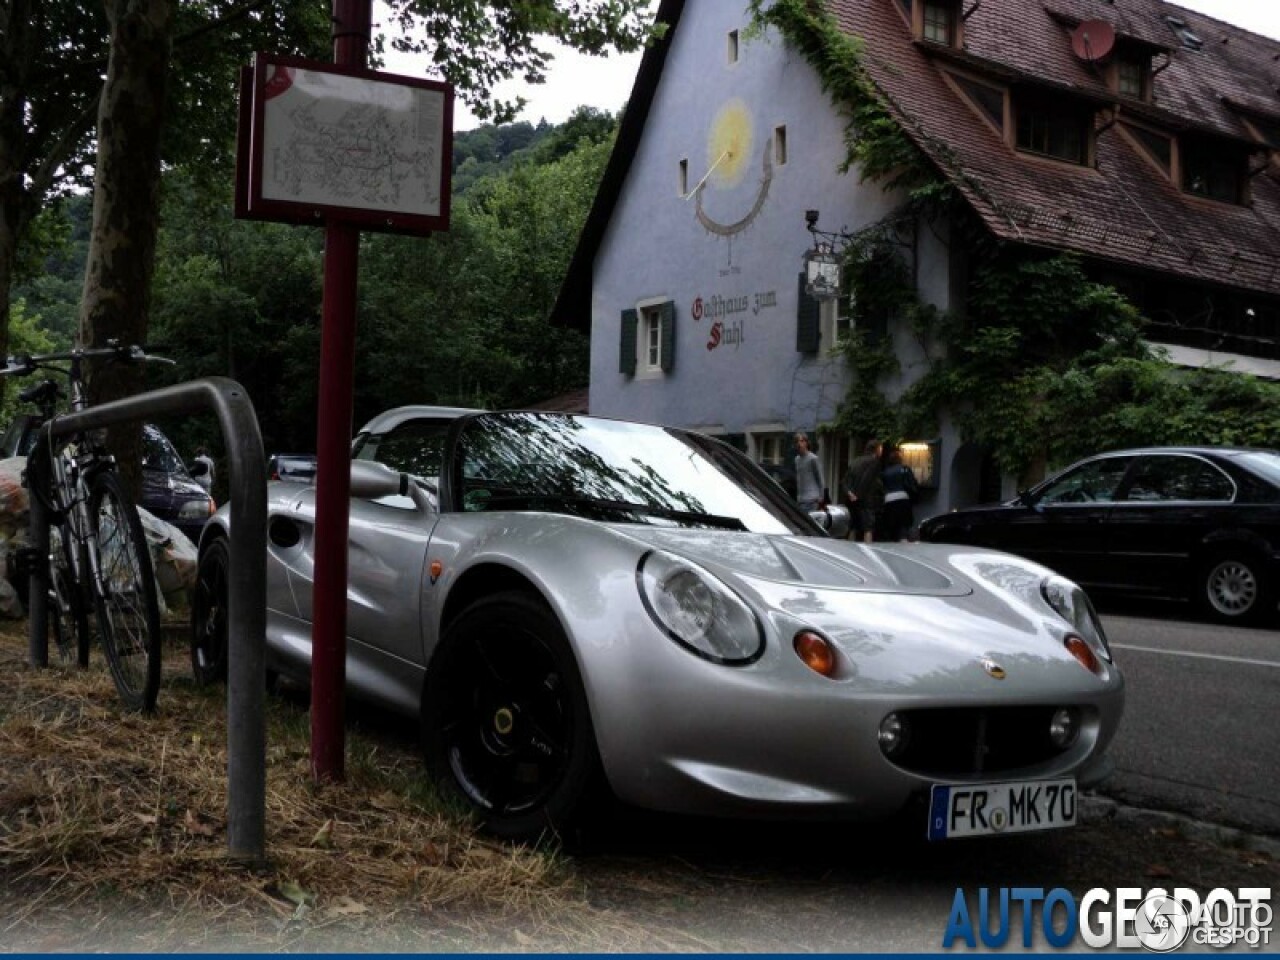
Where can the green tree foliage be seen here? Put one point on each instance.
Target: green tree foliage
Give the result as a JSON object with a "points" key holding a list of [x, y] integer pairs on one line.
{"points": [[458, 318], [26, 335]]}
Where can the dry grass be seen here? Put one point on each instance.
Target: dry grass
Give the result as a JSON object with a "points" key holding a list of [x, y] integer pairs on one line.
{"points": [[113, 835]]}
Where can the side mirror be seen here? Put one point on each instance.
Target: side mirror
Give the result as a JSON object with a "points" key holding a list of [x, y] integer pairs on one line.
{"points": [[371, 481], [835, 520]]}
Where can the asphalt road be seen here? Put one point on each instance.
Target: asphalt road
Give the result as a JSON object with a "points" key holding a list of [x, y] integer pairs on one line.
{"points": [[1201, 731]]}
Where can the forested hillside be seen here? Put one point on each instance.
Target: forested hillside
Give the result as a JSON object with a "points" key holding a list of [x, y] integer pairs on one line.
{"points": [[456, 318]]}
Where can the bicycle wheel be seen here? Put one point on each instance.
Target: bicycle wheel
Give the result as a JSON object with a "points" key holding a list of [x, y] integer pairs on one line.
{"points": [[125, 594], [67, 609]]}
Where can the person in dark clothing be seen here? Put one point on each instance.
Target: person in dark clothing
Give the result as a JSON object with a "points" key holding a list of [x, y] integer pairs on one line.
{"points": [[897, 518], [864, 491]]}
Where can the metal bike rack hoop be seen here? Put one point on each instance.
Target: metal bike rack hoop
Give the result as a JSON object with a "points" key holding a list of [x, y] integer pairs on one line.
{"points": [[247, 619]]}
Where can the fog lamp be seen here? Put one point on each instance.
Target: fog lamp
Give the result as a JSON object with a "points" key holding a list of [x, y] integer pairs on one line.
{"points": [[816, 652], [895, 734], [1064, 727], [1082, 652]]}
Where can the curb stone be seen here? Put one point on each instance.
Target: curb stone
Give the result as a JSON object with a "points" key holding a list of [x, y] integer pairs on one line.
{"points": [[1097, 809]]}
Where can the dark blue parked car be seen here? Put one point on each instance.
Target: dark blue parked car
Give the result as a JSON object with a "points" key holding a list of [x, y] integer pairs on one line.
{"points": [[168, 490]]}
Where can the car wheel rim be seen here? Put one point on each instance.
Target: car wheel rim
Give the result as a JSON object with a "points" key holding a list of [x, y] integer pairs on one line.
{"points": [[507, 723], [1232, 587]]}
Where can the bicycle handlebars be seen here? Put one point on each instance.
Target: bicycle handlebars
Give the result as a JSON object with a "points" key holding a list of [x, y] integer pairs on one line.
{"points": [[24, 364]]}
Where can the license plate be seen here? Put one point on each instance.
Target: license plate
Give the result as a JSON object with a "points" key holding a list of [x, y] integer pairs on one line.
{"points": [[982, 809]]}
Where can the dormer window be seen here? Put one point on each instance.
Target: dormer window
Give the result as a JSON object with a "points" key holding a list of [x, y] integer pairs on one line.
{"points": [[1213, 169], [938, 22], [1157, 146], [1130, 78], [1052, 128]]}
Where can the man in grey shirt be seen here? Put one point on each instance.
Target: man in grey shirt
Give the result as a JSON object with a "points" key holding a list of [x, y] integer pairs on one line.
{"points": [[808, 475]]}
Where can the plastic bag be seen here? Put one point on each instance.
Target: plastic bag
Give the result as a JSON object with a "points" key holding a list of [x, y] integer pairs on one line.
{"points": [[173, 555]]}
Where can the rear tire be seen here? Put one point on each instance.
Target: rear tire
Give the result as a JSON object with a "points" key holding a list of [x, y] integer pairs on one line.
{"points": [[506, 725], [1237, 587], [128, 611], [209, 607]]}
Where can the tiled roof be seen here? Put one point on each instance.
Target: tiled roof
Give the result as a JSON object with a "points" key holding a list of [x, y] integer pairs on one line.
{"points": [[575, 401], [1125, 210]]}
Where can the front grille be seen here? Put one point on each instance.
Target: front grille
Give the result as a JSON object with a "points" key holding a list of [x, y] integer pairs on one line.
{"points": [[965, 741]]}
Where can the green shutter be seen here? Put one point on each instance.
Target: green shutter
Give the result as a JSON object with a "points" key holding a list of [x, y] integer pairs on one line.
{"points": [[627, 343], [668, 336], [808, 327]]}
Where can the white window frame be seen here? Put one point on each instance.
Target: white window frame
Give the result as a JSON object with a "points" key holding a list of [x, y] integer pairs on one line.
{"points": [[649, 328]]}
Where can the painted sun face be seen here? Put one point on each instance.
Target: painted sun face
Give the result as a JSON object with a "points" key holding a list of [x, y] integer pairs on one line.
{"points": [[729, 144]]}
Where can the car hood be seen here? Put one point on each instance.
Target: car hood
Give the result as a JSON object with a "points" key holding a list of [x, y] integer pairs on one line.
{"points": [[919, 617], [814, 561], [158, 480]]}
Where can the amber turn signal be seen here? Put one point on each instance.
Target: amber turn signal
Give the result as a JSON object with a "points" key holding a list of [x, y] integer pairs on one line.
{"points": [[816, 652], [1082, 652]]}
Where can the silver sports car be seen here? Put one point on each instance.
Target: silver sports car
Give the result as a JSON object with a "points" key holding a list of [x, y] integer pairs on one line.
{"points": [[568, 602]]}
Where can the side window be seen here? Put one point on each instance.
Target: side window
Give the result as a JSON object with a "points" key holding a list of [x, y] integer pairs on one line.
{"points": [[415, 448], [1159, 479], [1090, 483]]}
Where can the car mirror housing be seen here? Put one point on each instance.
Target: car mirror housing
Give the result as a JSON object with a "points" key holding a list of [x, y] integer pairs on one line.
{"points": [[371, 480]]}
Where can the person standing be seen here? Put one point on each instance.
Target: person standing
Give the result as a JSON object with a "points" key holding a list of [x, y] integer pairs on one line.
{"points": [[900, 488], [864, 489], [808, 475], [202, 469]]}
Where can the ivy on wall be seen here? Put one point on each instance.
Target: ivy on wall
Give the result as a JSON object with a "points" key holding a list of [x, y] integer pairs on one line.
{"points": [[1042, 365]]}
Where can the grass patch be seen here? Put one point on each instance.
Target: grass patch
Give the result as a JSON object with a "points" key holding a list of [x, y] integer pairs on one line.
{"points": [[113, 835]]}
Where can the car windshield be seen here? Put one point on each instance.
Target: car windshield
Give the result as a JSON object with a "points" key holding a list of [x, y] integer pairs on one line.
{"points": [[158, 453], [617, 471]]}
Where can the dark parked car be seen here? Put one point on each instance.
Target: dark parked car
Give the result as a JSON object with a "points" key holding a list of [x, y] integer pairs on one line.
{"points": [[168, 490], [1196, 522], [294, 467]]}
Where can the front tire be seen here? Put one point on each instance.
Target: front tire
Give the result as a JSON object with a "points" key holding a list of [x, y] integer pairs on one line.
{"points": [[209, 606], [125, 596], [506, 725], [1237, 587]]}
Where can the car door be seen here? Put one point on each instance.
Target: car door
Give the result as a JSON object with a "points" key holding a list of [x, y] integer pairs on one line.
{"points": [[386, 567], [1064, 522], [1169, 504], [386, 554]]}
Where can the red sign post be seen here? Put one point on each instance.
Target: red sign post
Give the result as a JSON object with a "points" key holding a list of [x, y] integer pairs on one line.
{"points": [[348, 148]]}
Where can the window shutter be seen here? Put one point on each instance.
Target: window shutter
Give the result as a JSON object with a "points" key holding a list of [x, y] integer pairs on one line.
{"points": [[627, 343], [668, 336], [808, 327]]}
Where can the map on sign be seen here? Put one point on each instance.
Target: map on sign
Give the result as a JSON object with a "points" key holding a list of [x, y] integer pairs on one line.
{"points": [[350, 141]]}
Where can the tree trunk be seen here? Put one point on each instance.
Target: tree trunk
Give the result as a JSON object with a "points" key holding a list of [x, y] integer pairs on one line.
{"points": [[16, 35], [126, 203]]}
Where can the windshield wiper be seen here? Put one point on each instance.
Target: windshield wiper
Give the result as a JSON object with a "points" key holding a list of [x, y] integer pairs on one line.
{"points": [[595, 505]]}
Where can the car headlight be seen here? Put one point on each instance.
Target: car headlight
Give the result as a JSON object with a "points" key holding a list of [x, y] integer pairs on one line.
{"points": [[698, 611], [1072, 603], [195, 510]]}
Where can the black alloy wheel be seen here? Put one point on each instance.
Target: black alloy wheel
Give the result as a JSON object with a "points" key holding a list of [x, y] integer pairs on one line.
{"points": [[209, 607], [506, 726]]}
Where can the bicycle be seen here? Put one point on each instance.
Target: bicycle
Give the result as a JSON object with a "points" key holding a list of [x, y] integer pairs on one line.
{"points": [[102, 557]]}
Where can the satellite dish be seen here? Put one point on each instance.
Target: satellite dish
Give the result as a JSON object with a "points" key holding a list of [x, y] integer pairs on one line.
{"points": [[1093, 40]]}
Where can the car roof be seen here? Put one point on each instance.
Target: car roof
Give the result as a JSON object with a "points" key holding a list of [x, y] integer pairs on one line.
{"points": [[392, 418], [1219, 451]]}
